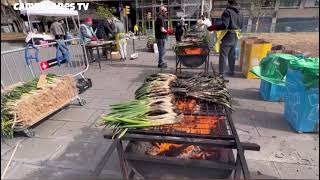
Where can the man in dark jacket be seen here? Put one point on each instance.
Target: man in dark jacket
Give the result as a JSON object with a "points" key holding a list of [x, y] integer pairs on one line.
{"points": [[231, 22], [179, 30]]}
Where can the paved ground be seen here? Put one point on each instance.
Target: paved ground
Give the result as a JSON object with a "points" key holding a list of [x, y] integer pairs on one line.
{"points": [[70, 144]]}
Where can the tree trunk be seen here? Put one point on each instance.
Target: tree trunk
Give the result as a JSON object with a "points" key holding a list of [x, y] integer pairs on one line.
{"points": [[257, 24]]}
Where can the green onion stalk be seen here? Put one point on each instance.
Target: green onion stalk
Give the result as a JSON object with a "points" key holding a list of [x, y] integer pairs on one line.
{"points": [[152, 107], [11, 95]]}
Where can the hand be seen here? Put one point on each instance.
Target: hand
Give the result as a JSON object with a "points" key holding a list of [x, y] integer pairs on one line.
{"points": [[93, 38], [213, 28]]}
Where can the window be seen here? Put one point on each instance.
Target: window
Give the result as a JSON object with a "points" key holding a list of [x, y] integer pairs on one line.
{"points": [[290, 3], [316, 3]]}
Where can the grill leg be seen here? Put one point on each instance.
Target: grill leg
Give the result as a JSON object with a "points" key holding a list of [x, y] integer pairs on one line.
{"points": [[123, 164], [237, 172]]}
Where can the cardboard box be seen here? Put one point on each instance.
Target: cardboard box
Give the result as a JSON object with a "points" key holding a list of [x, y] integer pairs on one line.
{"points": [[115, 56]]}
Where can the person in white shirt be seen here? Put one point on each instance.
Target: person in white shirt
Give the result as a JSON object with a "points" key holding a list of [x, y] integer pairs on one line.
{"points": [[206, 21]]}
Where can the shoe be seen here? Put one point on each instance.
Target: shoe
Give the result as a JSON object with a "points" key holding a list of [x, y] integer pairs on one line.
{"points": [[163, 65], [230, 74]]}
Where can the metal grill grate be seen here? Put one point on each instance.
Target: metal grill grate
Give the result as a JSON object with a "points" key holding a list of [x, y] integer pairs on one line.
{"points": [[200, 118]]}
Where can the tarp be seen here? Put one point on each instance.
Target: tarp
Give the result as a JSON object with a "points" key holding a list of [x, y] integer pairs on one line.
{"points": [[309, 67], [273, 68], [48, 8]]}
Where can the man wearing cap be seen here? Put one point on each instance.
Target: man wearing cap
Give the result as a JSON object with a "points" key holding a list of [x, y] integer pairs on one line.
{"points": [[87, 35], [161, 35], [86, 32]]}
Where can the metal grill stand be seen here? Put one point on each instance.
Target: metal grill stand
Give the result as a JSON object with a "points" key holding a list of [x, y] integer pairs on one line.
{"points": [[228, 142]]}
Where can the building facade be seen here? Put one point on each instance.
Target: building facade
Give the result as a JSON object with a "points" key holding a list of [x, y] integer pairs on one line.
{"points": [[275, 15]]}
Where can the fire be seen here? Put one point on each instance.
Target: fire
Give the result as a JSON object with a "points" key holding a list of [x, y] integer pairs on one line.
{"points": [[165, 147], [187, 105], [194, 124], [182, 151]]}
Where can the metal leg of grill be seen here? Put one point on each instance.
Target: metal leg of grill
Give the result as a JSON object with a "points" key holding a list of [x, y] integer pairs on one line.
{"points": [[123, 163]]}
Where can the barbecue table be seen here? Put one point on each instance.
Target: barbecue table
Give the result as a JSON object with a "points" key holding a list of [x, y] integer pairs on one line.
{"points": [[224, 135], [97, 44]]}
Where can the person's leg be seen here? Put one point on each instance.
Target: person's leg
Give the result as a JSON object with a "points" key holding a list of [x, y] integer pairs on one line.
{"points": [[121, 49], [224, 52], [160, 50], [232, 59], [125, 48]]}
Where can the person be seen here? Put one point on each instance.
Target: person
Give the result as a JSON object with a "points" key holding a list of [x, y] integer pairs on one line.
{"points": [[136, 29], [102, 30], [57, 29], [161, 35], [206, 21], [230, 29], [179, 30], [86, 32], [121, 38], [110, 28], [87, 35]]}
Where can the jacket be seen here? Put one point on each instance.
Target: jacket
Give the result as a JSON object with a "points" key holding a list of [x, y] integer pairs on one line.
{"points": [[86, 33], [232, 20], [102, 30], [56, 28]]}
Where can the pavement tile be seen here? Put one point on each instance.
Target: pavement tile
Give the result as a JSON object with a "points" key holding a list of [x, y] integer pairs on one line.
{"points": [[79, 132], [79, 155], [4, 164], [36, 151], [280, 150], [29, 171], [262, 169], [47, 128], [76, 115], [297, 171], [7, 145], [102, 103]]}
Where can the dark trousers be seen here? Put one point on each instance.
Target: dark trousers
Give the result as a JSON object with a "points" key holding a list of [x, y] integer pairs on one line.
{"points": [[161, 43], [178, 38], [227, 52]]}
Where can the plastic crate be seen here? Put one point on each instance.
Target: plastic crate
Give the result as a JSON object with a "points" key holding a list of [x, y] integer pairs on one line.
{"points": [[272, 92], [301, 106]]}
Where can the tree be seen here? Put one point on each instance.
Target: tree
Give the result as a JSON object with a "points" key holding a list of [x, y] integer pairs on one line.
{"points": [[261, 8], [105, 12]]}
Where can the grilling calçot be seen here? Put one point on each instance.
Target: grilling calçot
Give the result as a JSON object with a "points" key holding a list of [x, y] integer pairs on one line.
{"points": [[154, 103]]}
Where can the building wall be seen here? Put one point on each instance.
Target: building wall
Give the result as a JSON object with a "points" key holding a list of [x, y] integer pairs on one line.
{"points": [[285, 15]]}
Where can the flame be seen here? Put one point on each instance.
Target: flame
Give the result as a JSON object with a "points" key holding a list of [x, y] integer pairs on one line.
{"points": [[194, 124], [164, 147], [186, 105]]}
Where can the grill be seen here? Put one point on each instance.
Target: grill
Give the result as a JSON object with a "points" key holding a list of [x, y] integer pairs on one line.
{"points": [[205, 125]]}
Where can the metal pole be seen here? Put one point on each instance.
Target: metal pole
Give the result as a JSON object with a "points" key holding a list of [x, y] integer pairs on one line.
{"points": [[202, 7], [67, 23], [30, 28]]}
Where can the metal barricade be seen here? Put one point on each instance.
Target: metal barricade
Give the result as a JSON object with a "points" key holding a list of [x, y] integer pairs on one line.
{"points": [[25, 64], [64, 57]]}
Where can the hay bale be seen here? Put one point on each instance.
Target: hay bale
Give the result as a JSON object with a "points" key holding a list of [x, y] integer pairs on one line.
{"points": [[33, 107]]}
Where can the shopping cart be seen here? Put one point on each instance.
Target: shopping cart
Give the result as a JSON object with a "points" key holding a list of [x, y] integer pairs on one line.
{"points": [[64, 57]]}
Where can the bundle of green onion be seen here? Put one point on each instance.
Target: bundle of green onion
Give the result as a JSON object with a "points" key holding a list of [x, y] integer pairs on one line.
{"points": [[11, 95], [153, 107]]}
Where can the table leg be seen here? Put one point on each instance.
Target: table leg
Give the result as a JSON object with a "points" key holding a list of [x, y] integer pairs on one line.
{"points": [[99, 58]]}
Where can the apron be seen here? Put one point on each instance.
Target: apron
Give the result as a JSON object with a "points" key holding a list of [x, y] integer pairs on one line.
{"points": [[220, 35], [118, 37]]}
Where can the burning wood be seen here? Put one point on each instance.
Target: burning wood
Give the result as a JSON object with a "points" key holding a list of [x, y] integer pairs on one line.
{"points": [[194, 124]]}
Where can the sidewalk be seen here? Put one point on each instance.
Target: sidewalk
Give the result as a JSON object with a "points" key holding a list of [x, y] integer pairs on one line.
{"points": [[70, 144]]}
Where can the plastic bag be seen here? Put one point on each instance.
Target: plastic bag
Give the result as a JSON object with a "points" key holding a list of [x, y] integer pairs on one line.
{"points": [[273, 68], [309, 67]]}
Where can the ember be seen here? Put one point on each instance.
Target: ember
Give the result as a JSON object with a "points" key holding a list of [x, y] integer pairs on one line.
{"points": [[182, 151]]}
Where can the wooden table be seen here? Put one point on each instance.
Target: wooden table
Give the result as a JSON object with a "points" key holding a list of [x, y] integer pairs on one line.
{"points": [[104, 44]]}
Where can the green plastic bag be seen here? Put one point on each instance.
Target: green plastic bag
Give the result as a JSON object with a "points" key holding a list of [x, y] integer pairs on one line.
{"points": [[273, 68], [309, 67]]}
